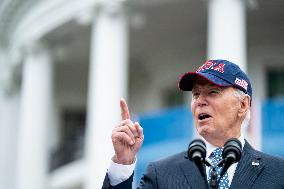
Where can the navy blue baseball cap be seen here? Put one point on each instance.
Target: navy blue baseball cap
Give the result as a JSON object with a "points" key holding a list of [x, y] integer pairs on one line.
{"points": [[219, 72]]}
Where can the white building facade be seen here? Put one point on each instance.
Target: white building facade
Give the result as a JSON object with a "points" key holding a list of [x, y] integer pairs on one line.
{"points": [[65, 65]]}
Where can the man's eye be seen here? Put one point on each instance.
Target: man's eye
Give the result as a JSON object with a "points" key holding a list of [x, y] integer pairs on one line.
{"points": [[214, 92]]}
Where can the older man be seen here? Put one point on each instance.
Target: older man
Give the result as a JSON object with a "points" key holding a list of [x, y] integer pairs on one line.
{"points": [[221, 99]]}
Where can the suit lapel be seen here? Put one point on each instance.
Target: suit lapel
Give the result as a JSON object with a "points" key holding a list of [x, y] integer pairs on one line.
{"points": [[248, 169], [193, 176]]}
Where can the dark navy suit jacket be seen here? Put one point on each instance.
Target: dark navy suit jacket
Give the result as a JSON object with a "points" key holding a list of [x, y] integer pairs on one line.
{"points": [[255, 170]]}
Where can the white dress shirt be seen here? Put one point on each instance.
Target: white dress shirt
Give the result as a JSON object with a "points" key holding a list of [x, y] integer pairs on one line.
{"points": [[118, 173]]}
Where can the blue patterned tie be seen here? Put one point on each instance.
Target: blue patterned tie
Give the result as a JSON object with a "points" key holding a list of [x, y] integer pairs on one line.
{"points": [[216, 156]]}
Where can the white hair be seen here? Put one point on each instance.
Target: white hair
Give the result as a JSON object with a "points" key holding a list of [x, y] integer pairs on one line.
{"points": [[241, 95]]}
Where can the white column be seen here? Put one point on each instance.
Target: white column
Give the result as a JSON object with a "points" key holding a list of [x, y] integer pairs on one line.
{"points": [[9, 104], [227, 31], [107, 84], [8, 139], [227, 40], [254, 132], [36, 99]]}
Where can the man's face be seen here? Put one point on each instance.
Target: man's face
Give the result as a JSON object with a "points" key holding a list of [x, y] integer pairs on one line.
{"points": [[216, 111]]}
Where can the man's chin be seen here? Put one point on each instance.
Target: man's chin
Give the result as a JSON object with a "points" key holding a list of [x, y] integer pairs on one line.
{"points": [[203, 130]]}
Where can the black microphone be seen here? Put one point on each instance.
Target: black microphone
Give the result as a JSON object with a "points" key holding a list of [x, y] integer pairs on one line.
{"points": [[197, 151], [231, 154]]}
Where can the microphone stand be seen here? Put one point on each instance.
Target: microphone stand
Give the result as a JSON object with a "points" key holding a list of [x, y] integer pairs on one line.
{"points": [[214, 181], [225, 163]]}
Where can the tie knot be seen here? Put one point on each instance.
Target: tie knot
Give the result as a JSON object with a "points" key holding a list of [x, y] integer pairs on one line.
{"points": [[216, 155]]}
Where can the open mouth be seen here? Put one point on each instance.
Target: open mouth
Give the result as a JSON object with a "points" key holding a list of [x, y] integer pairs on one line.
{"points": [[203, 116]]}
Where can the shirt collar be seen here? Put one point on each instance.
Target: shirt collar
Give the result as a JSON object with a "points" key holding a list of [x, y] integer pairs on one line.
{"points": [[210, 148]]}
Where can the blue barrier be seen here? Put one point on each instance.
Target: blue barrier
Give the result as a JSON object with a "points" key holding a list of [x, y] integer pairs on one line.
{"points": [[273, 127]]}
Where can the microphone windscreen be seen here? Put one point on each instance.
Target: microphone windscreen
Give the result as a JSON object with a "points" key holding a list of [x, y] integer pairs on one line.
{"points": [[234, 147], [197, 150]]}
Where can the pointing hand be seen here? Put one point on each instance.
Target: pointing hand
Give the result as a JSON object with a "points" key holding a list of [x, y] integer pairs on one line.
{"points": [[127, 137]]}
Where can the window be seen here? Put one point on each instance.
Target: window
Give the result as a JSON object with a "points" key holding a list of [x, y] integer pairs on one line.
{"points": [[275, 81], [71, 146], [173, 97]]}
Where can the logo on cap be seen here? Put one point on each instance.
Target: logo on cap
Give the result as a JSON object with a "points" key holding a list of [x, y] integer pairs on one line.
{"points": [[211, 65], [242, 83]]}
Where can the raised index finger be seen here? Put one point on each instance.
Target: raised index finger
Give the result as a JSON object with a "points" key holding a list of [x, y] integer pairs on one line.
{"points": [[124, 110]]}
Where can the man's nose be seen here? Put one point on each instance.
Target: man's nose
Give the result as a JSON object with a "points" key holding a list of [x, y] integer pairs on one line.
{"points": [[201, 100]]}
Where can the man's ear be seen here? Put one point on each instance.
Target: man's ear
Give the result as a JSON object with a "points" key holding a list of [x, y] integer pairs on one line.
{"points": [[244, 106]]}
